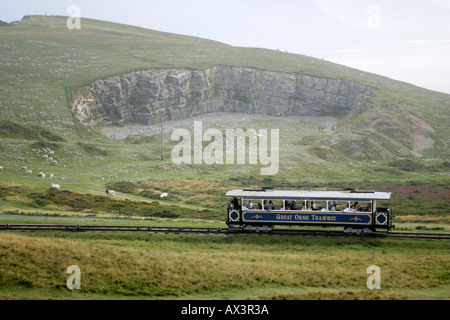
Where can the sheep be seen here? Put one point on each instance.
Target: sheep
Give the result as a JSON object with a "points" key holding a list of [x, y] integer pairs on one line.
{"points": [[164, 195], [29, 172], [51, 175], [51, 153], [111, 193], [54, 162], [56, 186], [1, 168], [49, 159], [45, 156], [41, 174], [24, 168]]}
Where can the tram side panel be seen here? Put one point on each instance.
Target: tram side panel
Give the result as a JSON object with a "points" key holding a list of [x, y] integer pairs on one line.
{"points": [[283, 217], [381, 219]]}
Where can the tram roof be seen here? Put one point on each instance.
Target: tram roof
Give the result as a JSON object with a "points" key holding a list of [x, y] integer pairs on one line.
{"points": [[308, 195]]}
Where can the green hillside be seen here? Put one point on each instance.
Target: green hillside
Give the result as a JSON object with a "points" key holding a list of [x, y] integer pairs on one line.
{"points": [[397, 142], [404, 135]]}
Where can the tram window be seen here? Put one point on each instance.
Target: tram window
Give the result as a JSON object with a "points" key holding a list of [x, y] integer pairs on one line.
{"points": [[250, 204], [319, 206], [349, 206], [246, 204], [357, 206], [337, 205], [268, 205], [295, 205], [255, 204], [277, 204], [364, 206]]}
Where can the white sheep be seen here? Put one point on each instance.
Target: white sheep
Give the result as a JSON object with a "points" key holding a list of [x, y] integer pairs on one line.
{"points": [[29, 172], [56, 186], [1, 168], [111, 193], [24, 168], [164, 195], [54, 162], [40, 174], [45, 156], [51, 175], [49, 159], [51, 153]]}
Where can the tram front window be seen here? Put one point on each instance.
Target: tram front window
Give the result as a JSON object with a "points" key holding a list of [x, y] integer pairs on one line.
{"points": [[249, 204]]}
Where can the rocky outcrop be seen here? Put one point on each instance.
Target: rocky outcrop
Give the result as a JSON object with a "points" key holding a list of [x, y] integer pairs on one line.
{"points": [[144, 97]]}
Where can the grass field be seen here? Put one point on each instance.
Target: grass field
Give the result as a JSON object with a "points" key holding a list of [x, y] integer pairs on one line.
{"points": [[141, 266]]}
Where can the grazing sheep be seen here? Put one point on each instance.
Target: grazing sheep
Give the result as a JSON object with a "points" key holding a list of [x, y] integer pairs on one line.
{"points": [[1, 168], [56, 186], [111, 193], [40, 174], [45, 156], [51, 153], [24, 168], [29, 172], [51, 175], [49, 159], [54, 162], [164, 195]]}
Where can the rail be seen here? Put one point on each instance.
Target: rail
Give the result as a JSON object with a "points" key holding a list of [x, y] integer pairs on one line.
{"points": [[211, 231]]}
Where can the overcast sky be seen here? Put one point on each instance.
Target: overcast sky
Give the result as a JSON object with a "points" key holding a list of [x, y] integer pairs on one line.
{"points": [[407, 40]]}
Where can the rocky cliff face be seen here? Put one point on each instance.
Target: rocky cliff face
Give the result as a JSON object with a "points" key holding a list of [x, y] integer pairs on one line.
{"points": [[144, 97]]}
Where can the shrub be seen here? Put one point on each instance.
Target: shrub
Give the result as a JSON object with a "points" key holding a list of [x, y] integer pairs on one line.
{"points": [[80, 202], [93, 150], [16, 131]]}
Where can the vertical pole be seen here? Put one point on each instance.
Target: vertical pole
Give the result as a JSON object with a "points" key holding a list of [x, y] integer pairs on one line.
{"points": [[162, 157]]}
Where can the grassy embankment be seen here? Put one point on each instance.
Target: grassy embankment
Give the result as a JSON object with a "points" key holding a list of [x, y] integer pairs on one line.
{"points": [[140, 266], [414, 202]]}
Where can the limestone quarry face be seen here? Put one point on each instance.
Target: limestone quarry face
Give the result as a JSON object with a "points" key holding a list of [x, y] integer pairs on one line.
{"points": [[145, 97]]}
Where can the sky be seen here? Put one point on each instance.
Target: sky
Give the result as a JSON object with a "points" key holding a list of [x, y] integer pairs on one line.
{"points": [[406, 40]]}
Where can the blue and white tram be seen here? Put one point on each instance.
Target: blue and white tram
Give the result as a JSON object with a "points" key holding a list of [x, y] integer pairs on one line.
{"points": [[262, 209]]}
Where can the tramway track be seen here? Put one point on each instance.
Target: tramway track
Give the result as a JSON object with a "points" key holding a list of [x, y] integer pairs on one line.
{"points": [[212, 231], [415, 235]]}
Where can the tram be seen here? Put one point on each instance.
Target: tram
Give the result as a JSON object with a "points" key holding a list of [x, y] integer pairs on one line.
{"points": [[263, 209]]}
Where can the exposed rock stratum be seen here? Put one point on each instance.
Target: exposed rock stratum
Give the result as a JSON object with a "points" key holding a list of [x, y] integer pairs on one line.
{"points": [[144, 97]]}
